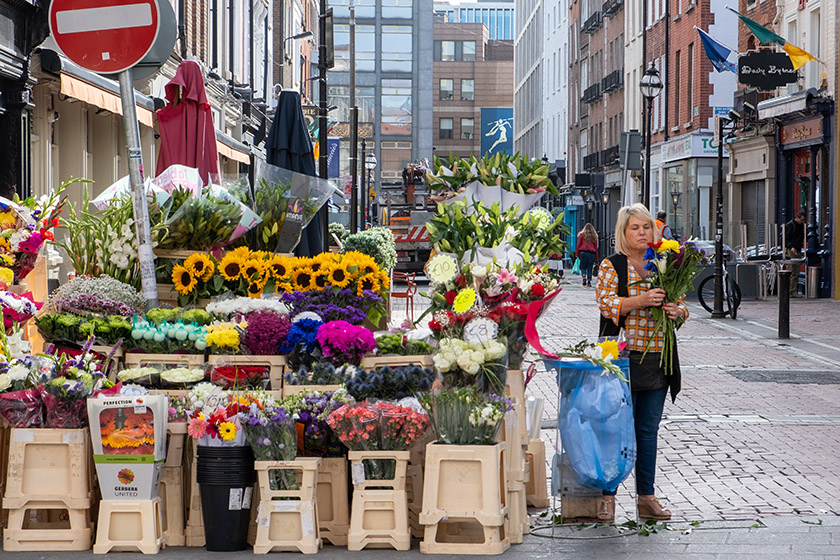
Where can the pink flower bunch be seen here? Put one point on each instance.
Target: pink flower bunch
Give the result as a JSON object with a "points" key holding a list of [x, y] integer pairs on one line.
{"points": [[356, 426], [344, 343]]}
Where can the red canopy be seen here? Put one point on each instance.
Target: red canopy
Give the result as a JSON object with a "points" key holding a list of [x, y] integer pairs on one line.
{"points": [[187, 135]]}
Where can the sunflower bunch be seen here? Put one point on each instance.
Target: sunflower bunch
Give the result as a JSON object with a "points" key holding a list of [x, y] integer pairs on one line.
{"points": [[354, 270]]}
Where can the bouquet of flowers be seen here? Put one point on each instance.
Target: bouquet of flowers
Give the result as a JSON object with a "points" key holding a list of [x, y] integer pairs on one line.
{"points": [[224, 338], [301, 344], [310, 412], [334, 304], [233, 377], [270, 432], [266, 332], [181, 377], [101, 295], [465, 364], [17, 309], [343, 343], [465, 416], [219, 425], [179, 411], [20, 401], [673, 267], [389, 382], [378, 242], [601, 354], [168, 338], [144, 376], [242, 306]]}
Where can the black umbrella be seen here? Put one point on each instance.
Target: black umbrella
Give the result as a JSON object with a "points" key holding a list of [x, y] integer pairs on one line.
{"points": [[289, 146]]}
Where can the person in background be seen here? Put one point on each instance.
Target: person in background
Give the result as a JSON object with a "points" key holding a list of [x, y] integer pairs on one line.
{"points": [[587, 252], [649, 385], [662, 227], [794, 241]]}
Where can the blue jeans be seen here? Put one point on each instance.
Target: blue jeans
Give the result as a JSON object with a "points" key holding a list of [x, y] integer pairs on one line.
{"points": [[587, 261], [647, 413]]}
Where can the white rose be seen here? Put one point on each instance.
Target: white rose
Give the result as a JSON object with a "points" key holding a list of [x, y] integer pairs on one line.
{"points": [[5, 382], [18, 372]]}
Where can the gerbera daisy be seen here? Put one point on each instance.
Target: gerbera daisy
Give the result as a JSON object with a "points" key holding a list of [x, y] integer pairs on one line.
{"points": [[339, 277], [302, 279], [321, 279], [197, 427], [278, 265], [252, 269], [367, 282], [183, 280], [231, 266], [227, 431], [200, 265]]}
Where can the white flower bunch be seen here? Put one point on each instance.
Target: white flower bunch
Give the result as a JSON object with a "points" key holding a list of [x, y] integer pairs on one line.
{"points": [[18, 371], [206, 396], [470, 357], [16, 346], [487, 415], [182, 375], [136, 373], [118, 246], [5, 382], [245, 305]]}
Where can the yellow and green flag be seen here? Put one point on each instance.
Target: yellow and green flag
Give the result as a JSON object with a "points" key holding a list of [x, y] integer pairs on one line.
{"points": [[798, 57]]}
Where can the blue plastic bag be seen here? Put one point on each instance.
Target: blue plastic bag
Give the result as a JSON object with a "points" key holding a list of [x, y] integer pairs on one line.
{"points": [[596, 422], [576, 267]]}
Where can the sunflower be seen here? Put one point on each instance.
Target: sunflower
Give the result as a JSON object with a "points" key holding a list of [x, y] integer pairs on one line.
{"points": [[227, 430], [200, 265], [302, 279], [279, 266], [367, 282], [255, 289], [339, 277], [384, 279], [242, 252], [184, 281], [231, 266], [253, 269], [321, 279]]}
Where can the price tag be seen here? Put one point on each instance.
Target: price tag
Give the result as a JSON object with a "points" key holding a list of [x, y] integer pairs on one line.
{"points": [[465, 300], [357, 472], [235, 499], [442, 268], [481, 330], [540, 217], [246, 498]]}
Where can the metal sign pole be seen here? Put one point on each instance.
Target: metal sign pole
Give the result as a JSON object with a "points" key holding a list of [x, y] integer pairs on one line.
{"points": [[142, 229]]}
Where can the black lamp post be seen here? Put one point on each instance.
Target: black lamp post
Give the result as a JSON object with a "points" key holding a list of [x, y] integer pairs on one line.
{"points": [[370, 165], [651, 86], [718, 312], [605, 200]]}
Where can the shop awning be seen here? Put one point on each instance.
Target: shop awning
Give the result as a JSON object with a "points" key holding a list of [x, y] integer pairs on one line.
{"points": [[779, 106], [231, 148], [93, 89]]}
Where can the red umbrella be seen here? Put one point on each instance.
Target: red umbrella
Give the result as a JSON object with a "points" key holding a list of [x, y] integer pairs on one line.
{"points": [[187, 135]]}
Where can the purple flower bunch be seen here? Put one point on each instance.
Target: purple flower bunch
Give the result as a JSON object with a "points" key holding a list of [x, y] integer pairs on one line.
{"points": [[271, 434], [343, 343], [341, 305], [266, 332], [87, 303]]}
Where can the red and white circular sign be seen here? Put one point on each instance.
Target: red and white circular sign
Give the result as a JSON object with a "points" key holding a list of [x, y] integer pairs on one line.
{"points": [[105, 36]]}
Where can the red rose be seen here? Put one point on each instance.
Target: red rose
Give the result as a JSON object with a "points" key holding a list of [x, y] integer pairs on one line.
{"points": [[450, 296], [538, 290], [434, 325]]}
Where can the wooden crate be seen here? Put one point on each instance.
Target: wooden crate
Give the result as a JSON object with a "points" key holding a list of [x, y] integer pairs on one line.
{"points": [[422, 360], [276, 365], [379, 515], [288, 519], [129, 526], [141, 359], [173, 510], [536, 489], [333, 500], [54, 527], [176, 433]]}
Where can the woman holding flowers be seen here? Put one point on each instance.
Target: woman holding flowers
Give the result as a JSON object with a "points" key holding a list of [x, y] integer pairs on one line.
{"points": [[631, 306]]}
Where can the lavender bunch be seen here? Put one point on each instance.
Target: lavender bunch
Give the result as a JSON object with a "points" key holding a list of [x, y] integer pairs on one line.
{"points": [[330, 305], [88, 303]]}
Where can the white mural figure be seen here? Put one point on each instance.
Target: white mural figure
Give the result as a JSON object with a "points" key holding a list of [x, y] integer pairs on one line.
{"points": [[499, 127]]}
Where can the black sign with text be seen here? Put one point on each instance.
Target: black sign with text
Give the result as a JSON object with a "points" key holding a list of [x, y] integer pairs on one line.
{"points": [[766, 70]]}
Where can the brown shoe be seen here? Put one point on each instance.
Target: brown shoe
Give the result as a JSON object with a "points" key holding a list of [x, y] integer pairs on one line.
{"points": [[606, 509], [650, 508]]}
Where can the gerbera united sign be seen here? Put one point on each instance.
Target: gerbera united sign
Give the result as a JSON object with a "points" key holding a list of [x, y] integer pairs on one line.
{"points": [[105, 36]]}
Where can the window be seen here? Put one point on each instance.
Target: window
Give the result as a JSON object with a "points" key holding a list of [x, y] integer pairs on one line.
{"points": [[396, 50], [469, 51], [398, 9], [690, 89], [447, 51], [445, 131], [447, 89], [467, 89], [467, 128], [396, 107]]}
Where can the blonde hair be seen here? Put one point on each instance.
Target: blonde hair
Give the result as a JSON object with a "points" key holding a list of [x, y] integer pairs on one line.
{"points": [[624, 213], [589, 233]]}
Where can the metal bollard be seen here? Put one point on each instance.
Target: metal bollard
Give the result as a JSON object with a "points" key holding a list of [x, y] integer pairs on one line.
{"points": [[784, 301]]}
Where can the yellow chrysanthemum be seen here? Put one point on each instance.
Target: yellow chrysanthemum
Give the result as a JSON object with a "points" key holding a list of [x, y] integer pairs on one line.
{"points": [[321, 279], [338, 275], [279, 267], [252, 269], [200, 265], [464, 301], [669, 245], [227, 431], [183, 280], [367, 282], [7, 276], [231, 266], [7, 260], [302, 279]]}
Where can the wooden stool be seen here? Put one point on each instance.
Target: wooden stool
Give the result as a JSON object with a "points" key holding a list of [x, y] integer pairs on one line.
{"points": [[55, 527], [288, 525], [379, 517], [333, 501], [129, 526]]}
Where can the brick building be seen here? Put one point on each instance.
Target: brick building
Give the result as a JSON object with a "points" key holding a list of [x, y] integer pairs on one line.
{"points": [[478, 74]]}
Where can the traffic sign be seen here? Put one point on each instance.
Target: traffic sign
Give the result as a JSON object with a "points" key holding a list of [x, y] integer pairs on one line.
{"points": [[105, 36]]}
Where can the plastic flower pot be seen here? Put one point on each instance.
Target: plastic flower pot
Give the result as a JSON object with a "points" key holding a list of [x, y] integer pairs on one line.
{"points": [[226, 479]]}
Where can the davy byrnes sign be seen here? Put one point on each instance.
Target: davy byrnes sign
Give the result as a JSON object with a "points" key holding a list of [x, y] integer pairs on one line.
{"points": [[105, 36]]}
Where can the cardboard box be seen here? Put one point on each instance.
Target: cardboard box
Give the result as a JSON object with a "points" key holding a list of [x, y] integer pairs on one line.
{"points": [[129, 444]]}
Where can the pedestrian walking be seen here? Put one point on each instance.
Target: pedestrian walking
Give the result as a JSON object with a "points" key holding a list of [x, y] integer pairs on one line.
{"points": [[625, 301], [662, 226], [794, 242], [587, 252]]}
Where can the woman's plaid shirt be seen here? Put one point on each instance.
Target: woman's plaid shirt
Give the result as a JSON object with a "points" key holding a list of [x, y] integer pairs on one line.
{"points": [[639, 326]]}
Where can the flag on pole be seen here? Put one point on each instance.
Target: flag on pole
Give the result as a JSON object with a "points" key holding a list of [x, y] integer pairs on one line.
{"points": [[717, 53], [798, 57]]}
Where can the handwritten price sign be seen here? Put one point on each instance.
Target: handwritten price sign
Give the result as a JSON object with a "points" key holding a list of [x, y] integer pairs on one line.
{"points": [[481, 330], [540, 217], [442, 268]]}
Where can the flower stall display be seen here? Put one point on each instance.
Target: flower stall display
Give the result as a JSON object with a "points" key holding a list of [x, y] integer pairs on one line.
{"points": [[25, 225], [67, 385], [342, 343], [17, 309], [129, 444], [242, 306], [167, 338], [310, 412], [389, 382], [465, 416]]}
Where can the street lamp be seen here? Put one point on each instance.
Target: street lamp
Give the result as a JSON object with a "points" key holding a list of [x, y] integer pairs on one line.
{"points": [[605, 199], [370, 165], [717, 311], [651, 86], [304, 35], [675, 198]]}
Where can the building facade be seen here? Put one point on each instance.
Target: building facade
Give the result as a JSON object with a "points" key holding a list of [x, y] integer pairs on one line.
{"points": [[394, 82], [496, 15], [467, 86], [528, 87], [556, 85]]}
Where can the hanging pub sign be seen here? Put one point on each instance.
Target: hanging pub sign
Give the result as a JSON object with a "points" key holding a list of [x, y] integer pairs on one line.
{"points": [[766, 69]]}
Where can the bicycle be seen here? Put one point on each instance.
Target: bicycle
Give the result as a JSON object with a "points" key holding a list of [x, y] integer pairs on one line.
{"points": [[731, 294]]}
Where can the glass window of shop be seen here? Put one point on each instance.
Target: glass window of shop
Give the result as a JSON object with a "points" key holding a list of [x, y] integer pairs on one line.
{"points": [[467, 89], [396, 107], [396, 48], [344, 156], [365, 100], [364, 8], [395, 156], [397, 9], [674, 183], [365, 48], [447, 51]]}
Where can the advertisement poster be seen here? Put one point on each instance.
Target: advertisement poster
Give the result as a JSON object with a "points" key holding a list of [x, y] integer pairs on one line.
{"points": [[496, 130]]}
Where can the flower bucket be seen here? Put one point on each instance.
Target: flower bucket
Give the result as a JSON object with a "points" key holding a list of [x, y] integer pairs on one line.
{"points": [[466, 195], [226, 479], [488, 194], [524, 201], [504, 254]]}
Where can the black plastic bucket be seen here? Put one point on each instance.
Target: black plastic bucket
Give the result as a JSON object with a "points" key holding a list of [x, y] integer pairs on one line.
{"points": [[226, 478]]}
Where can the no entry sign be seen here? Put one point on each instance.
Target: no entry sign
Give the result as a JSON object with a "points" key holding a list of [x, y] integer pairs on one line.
{"points": [[106, 36]]}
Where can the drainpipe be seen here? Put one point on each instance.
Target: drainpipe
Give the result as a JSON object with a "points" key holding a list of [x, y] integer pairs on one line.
{"points": [[182, 27]]}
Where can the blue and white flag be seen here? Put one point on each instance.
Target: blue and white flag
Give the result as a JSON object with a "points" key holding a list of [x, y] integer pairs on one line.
{"points": [[717, 53]]}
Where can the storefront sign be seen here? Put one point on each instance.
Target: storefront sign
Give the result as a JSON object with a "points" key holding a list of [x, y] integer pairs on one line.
{"points": [[803, 131], [694, 146], [766, 70]]}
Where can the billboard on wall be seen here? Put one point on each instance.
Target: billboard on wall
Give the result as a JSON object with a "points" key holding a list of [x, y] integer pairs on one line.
{"points": [[496, 130]]}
